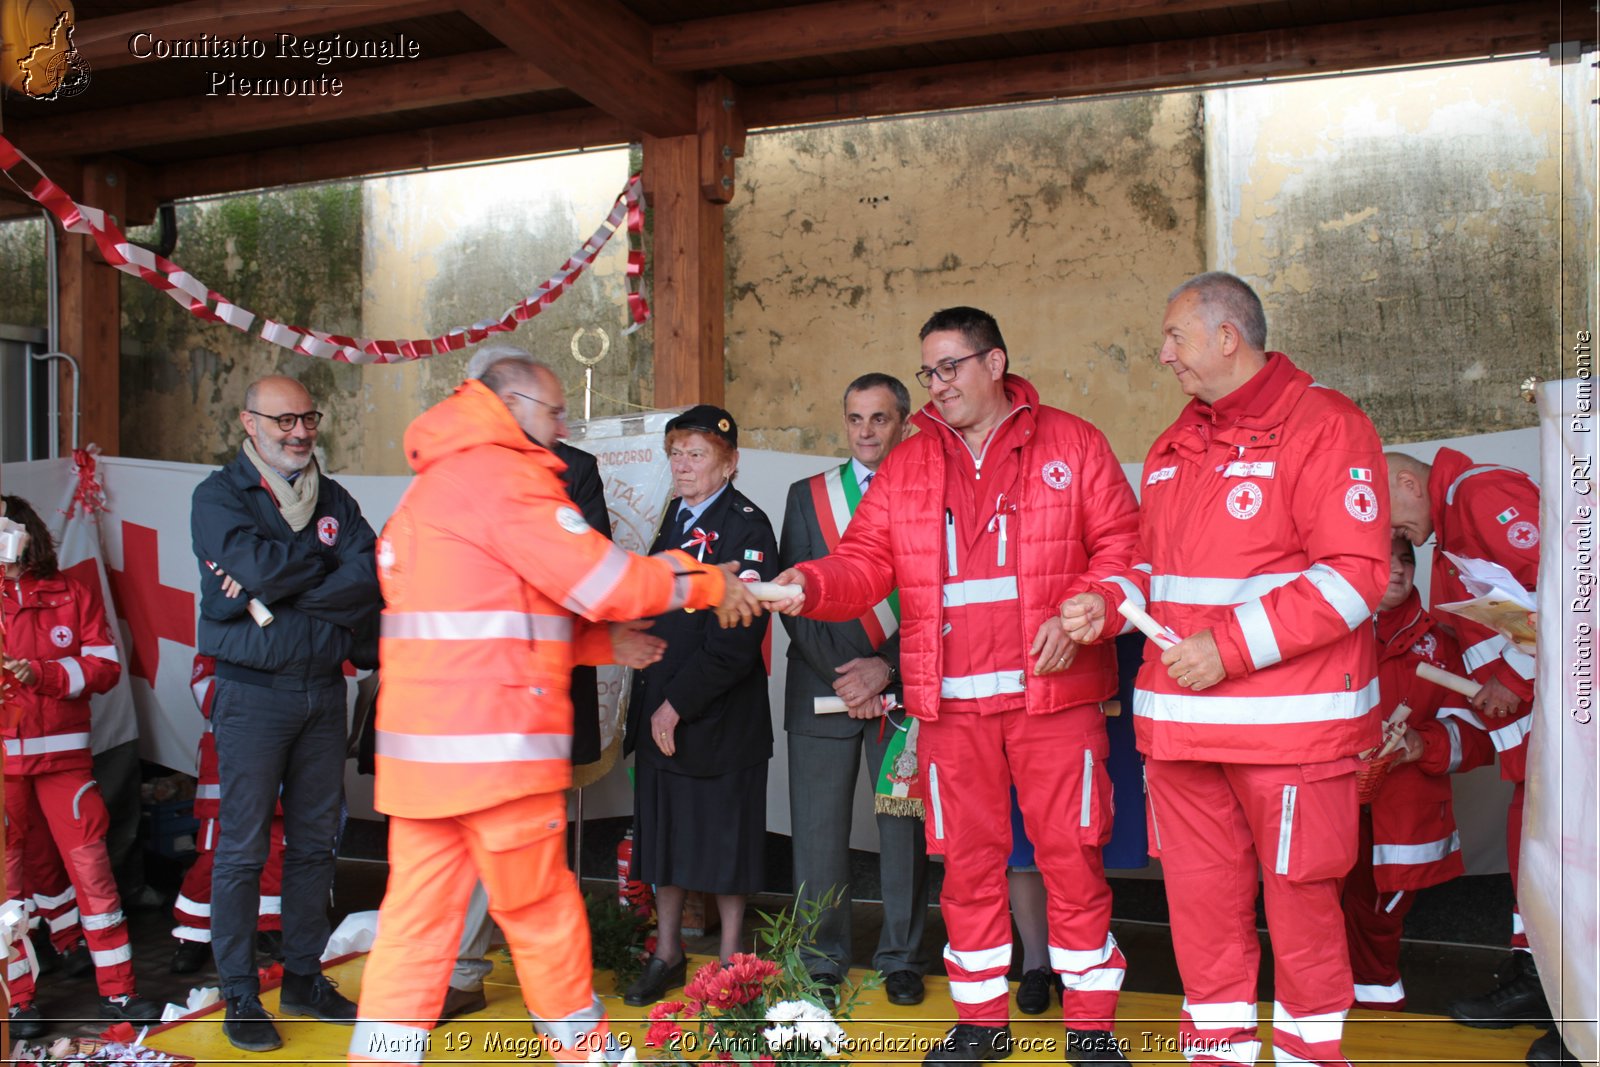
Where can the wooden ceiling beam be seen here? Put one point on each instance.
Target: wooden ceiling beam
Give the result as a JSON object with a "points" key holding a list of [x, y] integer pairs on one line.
{"points": [[601, 51], [105, 42], [1500, 30], [404, 86], [438, 146], [843, 26]]}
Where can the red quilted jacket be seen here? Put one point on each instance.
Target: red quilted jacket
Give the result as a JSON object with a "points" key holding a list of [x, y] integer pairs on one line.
{"points": [[1069, 535]]}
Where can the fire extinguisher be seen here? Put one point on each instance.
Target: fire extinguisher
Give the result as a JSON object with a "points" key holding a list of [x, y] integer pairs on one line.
{"points": [[624, 866]]}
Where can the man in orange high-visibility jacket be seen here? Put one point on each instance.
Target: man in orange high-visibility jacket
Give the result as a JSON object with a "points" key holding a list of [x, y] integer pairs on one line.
{"points": [[493, 582]]}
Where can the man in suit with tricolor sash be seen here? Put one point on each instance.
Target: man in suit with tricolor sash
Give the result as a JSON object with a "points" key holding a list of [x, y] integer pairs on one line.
{"points": [[857, 662]]}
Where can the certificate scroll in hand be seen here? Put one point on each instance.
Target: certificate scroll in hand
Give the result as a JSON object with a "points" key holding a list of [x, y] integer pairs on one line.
{"points": [[1498, 601]]}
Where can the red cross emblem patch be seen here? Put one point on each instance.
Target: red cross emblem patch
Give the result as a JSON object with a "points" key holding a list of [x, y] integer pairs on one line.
{"points": [[327, 529], [1056, 474], [61, 636], [1244, 500], [1361, 503], [1522, 534]]}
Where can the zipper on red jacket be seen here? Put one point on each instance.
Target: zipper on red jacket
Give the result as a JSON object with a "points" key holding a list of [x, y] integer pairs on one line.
{"points": [[950, 541], [977, 457]]}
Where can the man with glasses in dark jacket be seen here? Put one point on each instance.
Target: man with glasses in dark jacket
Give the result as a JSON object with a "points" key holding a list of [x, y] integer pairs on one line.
{"points": [[287, 581]]}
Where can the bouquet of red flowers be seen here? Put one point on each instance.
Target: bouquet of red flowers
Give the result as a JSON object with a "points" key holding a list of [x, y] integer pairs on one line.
{"points": [[753, 1010]]}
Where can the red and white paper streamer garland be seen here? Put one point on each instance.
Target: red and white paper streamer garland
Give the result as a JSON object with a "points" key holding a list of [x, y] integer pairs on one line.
{"points": [[205, 303]]}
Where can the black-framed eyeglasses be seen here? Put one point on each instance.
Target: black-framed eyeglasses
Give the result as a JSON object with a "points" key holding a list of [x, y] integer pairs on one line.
{"points": [[287, 420], [947, 369], [556, 411]]}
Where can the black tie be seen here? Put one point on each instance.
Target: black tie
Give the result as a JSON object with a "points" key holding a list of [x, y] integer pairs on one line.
{"points": [[686, 522], [867, 481]]}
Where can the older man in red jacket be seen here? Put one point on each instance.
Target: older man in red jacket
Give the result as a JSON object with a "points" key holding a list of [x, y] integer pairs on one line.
{"points": [[1481, 511], [987, 519], [1264, 543]]}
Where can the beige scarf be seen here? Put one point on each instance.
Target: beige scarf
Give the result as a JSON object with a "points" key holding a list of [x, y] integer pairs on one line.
{"points": [[297, 501]]}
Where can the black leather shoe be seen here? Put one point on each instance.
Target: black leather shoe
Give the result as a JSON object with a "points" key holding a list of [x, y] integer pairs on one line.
{"points": [[1033, 992], [461, 1002], [658, 977], [967, 1043], [903, 987], [1090, 1047], [131, 1007], [27, 1023], [1518, 998], [317, 996], [45, 952], [826, 987], [190, 956], [1547, 1051], [248, 1025]]}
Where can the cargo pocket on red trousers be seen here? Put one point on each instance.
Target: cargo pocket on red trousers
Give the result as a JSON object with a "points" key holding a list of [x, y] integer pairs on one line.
{"points": [[1096, 803], [1317, 829]]}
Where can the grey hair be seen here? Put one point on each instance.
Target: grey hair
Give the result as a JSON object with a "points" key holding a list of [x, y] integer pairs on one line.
{"points": [[875, 380], [1228, 298], [488, 365]]}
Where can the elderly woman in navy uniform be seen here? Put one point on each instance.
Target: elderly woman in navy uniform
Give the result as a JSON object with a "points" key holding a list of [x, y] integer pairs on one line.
{"points": [[699, 721]]}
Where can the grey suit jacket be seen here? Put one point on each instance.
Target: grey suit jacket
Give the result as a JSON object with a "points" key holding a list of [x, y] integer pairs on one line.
{"points": [[816, 648]]}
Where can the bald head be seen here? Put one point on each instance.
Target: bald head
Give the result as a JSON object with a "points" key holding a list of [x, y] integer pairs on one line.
{"points": [[269, 401], [1410, 510]]}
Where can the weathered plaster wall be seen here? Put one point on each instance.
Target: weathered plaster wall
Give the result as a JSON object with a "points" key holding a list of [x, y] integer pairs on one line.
{"points": [[1068, 222], [292, 255], [1405, 233], [453, 247], [399, 257]]}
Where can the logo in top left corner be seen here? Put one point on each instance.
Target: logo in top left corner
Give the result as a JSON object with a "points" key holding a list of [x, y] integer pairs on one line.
{"points": [[37, 55]]}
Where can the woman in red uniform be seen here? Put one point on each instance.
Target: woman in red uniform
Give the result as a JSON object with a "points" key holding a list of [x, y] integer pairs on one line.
{"points": [[1408, 833], [59, 651]]}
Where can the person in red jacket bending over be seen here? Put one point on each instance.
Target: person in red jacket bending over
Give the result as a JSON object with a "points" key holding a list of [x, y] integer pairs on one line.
{"points": [[1481, 511], [1408, 833], [59, 649], [1264, 544], [986, 520]]}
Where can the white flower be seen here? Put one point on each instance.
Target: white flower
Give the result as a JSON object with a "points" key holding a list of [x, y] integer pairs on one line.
{"points": [[812, 1025]]}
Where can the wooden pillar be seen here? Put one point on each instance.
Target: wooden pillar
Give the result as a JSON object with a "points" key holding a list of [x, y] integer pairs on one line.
{"points": [[687, 180], [91, 318], [687, 287]]}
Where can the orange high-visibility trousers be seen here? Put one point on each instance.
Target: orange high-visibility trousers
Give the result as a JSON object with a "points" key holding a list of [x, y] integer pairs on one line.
{"points": [[518, 849]]}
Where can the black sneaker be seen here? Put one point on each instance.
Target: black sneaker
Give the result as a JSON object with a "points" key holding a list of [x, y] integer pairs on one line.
{"points": [[190, 956], [1518, 998], [317, 996], [131, 1007], [27, 1023], [1087, 1047], [1033, 992], [249, 1026], [968, 1043]]}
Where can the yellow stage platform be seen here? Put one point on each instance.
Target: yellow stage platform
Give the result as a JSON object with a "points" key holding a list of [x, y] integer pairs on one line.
{"points": [[884, 1033]]}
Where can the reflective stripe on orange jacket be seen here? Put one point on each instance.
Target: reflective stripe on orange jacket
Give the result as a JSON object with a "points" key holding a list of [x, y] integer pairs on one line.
{"points": [[493, 585]]}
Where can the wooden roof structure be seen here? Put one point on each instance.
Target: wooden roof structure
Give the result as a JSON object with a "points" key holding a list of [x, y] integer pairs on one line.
{"points": [[462, 81]]}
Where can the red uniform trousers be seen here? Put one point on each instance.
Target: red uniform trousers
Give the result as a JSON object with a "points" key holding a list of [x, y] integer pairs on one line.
{"points": [[1057, 763], [1373, 922], [67, 806], [193, 908], [1210, 825], [518, 849]]}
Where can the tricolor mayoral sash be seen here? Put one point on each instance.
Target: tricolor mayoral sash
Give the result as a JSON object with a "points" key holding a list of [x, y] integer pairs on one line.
{"points": [[898, 788]]}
